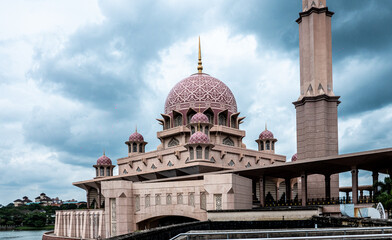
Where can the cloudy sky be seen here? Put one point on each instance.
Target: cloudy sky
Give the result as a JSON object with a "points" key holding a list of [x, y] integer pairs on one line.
{"points": [[76, 77]]}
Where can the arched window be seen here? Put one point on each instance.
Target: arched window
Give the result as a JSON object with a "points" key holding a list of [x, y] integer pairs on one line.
{"points": [[233, 124], [134, 147], [267, 145], [140, 147], [102, 171], [199, 154], [261, 145], [193, 130], [228, 141], [190, 114], [173, 142], [207, 153], [191, 153], [222, 119], [210, 114], [178, 120], [206, 130], [108, 171]]}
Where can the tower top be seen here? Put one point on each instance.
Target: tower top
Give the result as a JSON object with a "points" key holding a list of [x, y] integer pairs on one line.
{"points": [[200, 66], [308, 4]]}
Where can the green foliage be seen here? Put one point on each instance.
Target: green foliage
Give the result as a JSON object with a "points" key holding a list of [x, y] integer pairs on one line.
{"points": [[33, 215], [384, 193], [35, 219]]}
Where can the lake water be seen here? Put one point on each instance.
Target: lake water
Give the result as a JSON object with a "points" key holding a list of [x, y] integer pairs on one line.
{"points": [[22, 235]]}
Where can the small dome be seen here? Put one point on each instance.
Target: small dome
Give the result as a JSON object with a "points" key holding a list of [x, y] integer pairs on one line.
{"points": [[266, 135], [294, 158], [199, 137], [199, 118], [104, 160], [136, 137]]}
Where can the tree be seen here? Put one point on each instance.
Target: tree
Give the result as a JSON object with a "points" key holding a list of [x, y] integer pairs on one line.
{"points": [[35, 219], [384, 193]]}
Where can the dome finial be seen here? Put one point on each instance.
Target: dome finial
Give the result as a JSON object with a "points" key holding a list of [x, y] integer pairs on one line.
{"points": [[200, 66], [104, 151], [136, 128], [265, 125]]}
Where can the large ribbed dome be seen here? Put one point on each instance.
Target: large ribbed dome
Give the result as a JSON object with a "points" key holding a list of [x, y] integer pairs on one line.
{"points": [[200, 89]]}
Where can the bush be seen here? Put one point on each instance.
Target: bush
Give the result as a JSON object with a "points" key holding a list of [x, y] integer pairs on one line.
{"points": [[35, 219]]}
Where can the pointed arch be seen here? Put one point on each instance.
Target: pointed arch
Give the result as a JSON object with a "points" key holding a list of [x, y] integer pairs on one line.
{"points": [[178, 120], [173, 142], [210, 114], [228, 141], [190, 114]]}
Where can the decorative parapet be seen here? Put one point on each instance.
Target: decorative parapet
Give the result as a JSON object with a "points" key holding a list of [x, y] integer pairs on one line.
{"points": [[87, 223]]}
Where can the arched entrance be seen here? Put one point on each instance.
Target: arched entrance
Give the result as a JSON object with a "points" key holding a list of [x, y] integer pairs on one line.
{"points": [[163, 221]]}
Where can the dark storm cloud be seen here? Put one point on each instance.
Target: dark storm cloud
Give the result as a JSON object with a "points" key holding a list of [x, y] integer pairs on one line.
{"points": [[368, 92]]}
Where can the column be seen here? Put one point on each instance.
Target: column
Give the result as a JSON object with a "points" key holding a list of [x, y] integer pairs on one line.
{"points": [[99, 197], [288, 189], [375, 179], [327, 179], [347, 195], [262, 191], [87, 199], [304, 188], [354, 181]]}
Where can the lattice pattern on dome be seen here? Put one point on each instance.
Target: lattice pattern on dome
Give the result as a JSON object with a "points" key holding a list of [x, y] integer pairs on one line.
{"points": [[104, 160], [266, 135], [200, 88]]}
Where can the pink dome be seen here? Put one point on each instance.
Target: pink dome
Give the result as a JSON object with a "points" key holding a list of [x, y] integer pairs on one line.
{"points": [[266, 135], [200, 88], [294, 158], [104, 160], [199, 137], [136, 137], [199, 118]]}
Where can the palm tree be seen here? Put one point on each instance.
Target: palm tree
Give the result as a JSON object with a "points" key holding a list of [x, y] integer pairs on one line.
{"points": [[384, 193]]}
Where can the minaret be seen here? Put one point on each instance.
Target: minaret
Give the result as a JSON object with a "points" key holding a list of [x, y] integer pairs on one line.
{"points": [[316, 107], [317, 126]]}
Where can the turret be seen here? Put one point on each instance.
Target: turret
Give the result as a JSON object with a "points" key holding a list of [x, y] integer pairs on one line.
{"points": [[136, 144], [266, 141], [104, 167]]}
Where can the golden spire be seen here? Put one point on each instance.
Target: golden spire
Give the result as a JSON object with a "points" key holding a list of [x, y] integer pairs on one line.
{"points": [[200, 66]]}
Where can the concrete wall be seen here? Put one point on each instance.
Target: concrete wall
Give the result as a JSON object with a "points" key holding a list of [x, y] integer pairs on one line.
{"points": [[300, 214]]}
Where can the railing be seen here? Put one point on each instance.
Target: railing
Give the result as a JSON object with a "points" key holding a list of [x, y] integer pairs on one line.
{"points": [[318, 201], [329, 233]]}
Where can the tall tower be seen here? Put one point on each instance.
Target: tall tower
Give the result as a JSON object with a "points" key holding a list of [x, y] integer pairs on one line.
{"points": [[316, 107], [317, 124]]}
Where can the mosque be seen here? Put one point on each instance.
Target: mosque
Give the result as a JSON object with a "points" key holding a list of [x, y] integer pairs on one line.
{"points": [[202, 166]]}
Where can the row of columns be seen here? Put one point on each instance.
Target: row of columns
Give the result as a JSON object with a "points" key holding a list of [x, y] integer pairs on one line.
{"points": [[80, 224], [327, 177]]}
